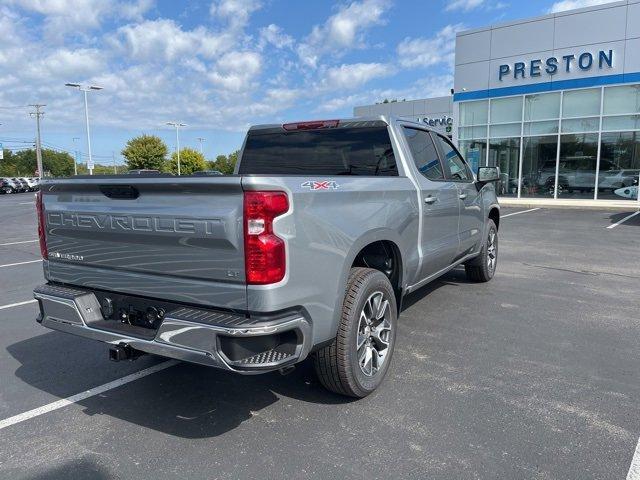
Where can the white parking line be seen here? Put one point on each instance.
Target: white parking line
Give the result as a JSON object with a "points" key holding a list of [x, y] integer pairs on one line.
{"points": [[634, 469], [518, 213], [18, 243], [2, 307], [19, 263], [7, 422], [624, 220]]}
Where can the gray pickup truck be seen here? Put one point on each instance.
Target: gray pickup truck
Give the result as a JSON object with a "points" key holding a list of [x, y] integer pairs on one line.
{"points": [[307, 250]]}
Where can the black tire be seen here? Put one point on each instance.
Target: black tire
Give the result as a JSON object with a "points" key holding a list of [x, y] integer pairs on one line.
{"points": [[480, 269], [337, 365]]}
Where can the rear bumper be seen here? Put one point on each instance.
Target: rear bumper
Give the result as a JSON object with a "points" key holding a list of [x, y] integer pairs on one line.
{"points": [[190, 334]]}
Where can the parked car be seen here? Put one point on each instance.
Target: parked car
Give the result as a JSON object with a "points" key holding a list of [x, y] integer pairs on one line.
{"points": [[142, 171], [31, 185], [202, 173], [615, 179], [21, 185], [6, 185], [307, 251]]}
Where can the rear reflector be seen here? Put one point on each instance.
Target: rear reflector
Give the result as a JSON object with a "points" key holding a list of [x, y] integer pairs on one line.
{"points": [[313, 125], [264, 251], [41, 226]]}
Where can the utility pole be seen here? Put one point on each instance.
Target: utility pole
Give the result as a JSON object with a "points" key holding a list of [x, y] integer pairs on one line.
{"points": [[115, 170], [200, 139], [177, 125], [37, 114]]}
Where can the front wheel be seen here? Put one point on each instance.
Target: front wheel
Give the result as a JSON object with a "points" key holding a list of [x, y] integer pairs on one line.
{"points": [[355, 363], [483, 267]]}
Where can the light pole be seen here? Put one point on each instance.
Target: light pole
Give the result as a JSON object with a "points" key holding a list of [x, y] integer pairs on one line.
{"points": [[84, 89], [177, 125], [200, 139], [75, 158]]}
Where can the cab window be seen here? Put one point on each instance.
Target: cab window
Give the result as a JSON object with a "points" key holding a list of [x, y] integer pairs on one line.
{"points": [[424, 153], [456, 168]]}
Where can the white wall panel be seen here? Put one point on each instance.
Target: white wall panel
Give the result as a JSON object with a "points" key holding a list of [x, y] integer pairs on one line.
{"points": [[596, 26], [522, 38], [473, 47], [472, 76]]}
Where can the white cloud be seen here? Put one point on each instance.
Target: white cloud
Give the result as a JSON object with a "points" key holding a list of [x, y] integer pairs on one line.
{"points": [[165, 40], [426, 52], [431, 86], [236, 12], [72, 63], [274, 35], [464, 5], [353, 76], [342, 31], [573, 4], [236, 71], [62, 17]]}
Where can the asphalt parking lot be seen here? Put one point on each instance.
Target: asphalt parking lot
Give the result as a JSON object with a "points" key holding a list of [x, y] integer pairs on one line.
{"points": [[533, 375]]}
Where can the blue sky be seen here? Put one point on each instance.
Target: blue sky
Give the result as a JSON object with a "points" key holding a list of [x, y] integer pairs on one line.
{"points": [[220, 66]]}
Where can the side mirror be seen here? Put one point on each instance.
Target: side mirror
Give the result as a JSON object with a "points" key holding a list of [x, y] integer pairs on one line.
{"points": [[488, 174]]}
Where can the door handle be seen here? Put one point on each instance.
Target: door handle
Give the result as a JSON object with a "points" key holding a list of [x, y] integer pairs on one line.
{"points": [[430, 200], [462, 196]]}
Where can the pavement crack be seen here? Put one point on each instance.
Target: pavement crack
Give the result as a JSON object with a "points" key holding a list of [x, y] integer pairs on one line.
{"points": [[580, 272]]}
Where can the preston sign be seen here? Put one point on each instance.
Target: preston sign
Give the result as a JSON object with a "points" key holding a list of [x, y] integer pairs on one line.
{"points": [[552, 65]]}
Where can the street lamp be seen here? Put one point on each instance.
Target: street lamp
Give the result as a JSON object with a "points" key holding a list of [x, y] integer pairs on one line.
{"points": [[85, 89], [75, 158], [177, 125]]}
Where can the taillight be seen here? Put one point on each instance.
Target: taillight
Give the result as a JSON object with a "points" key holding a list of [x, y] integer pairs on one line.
{"points": [[264, 251], [41, 226]]}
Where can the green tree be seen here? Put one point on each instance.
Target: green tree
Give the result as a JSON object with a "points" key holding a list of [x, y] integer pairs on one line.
{"points": [[8, 164], [145, 151], [23, 163], [190, 161], [225, 164]]}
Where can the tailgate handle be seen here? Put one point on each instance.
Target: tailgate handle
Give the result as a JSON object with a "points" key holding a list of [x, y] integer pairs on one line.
{"points": [[120, 192]]}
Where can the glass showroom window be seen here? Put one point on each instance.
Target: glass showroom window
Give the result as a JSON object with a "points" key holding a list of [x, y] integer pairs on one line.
{"points": [[504, 142], [579, 143], [472, 133], [619, 149], [539, 166], [505, 153], [540, 144], [577, 167], [619, 162]]}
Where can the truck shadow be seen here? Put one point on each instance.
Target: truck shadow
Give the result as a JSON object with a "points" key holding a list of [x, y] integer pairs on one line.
{"points": [[454, 277], [186, 400]]}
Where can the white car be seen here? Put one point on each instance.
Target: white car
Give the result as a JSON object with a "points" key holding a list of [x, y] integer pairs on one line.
{"points": [[614, 179]]}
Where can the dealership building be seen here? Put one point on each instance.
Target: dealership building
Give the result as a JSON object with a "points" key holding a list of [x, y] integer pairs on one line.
{"points": [[554, 101]]}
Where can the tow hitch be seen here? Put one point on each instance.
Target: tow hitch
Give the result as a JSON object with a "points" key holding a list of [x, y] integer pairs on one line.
{"points": [[123, 352]]}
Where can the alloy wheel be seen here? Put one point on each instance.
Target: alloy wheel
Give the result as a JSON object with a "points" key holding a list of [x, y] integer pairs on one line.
{"points": [[374, 334]]}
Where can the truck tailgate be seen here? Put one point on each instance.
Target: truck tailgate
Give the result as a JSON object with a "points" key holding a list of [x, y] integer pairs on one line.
{"points": [[176, 237]]}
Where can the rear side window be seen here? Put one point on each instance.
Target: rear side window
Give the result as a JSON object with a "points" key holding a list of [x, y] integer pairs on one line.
{"points": [[424, 153], [331, 151]]}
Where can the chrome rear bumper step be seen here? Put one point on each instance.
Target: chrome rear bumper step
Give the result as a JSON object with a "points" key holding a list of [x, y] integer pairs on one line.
{"points": [[219, 339]]}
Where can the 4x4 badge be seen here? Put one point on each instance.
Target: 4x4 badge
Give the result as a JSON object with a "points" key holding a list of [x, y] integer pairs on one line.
{"points": [[320, 185]]}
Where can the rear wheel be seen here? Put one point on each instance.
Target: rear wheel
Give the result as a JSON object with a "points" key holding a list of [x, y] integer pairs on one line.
{"points": [[357, 360], [483, 267]]}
